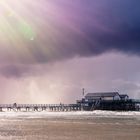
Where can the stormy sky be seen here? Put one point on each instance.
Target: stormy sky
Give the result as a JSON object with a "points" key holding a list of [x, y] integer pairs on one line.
{"points": [[51, 49]]}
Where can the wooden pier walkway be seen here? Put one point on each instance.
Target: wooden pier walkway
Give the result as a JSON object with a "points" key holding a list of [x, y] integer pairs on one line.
{"points": [[40, 107]]}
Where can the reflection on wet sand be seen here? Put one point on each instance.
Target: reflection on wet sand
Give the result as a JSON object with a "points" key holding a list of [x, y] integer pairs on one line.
{"points": [[61, 128]]}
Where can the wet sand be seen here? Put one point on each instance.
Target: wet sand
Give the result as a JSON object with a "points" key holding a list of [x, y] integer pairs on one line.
{"points": [[70, 128]]}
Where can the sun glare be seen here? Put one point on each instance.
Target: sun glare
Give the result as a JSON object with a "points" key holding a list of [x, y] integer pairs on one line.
{"points": [[12, 24]]}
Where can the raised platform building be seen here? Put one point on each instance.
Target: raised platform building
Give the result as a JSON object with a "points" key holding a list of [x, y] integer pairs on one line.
{"points": [[108, 101]]}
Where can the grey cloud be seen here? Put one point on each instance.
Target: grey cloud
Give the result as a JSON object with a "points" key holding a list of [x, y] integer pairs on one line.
{"points": [[14, 71]]}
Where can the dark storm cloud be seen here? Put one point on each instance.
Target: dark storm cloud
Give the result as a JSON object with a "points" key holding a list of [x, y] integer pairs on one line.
{"points": [[117, 28], [92, 28]]}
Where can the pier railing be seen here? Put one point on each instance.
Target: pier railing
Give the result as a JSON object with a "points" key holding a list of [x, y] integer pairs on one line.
{"points": [[40, 107]]}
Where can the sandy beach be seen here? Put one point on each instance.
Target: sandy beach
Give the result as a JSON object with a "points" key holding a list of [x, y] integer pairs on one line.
{"points": [[69, 127]]}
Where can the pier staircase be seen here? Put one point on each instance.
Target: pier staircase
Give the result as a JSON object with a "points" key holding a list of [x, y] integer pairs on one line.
{"points": [[95, 105]]}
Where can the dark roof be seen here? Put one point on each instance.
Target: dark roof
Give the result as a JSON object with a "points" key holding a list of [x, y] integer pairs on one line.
{"points": [[102, 94], [124, 95], [95, 97]]}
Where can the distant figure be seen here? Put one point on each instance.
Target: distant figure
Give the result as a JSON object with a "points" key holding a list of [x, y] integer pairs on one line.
{"points": [[15, 105]]}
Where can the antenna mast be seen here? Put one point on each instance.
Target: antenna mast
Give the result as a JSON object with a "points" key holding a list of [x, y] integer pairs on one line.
{"points": [[83, 92]]}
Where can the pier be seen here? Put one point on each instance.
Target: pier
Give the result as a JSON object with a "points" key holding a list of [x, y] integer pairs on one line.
{"points": [[40, 107], [112, 101]]}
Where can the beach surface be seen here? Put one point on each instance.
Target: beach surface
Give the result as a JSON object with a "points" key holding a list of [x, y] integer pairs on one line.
{"points": [[96, 125]]}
